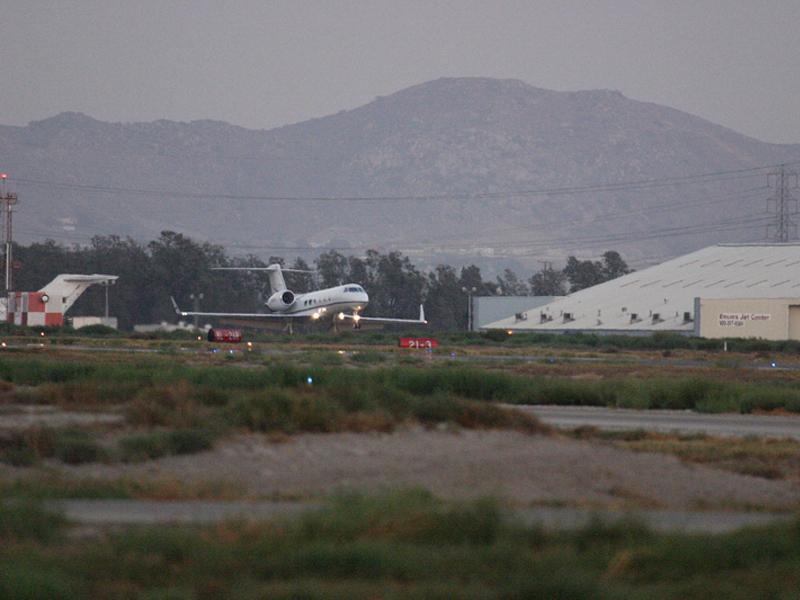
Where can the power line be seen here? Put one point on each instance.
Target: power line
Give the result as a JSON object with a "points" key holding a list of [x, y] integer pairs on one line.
{"points": [[550, 224], [630, 185], [619, 214], [703, 227]]}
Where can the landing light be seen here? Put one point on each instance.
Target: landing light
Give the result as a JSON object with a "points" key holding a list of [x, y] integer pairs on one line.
{"points": [[41, 334], [341, 316], [510, 332], [315, 316], [3, 345], [356, 318]]}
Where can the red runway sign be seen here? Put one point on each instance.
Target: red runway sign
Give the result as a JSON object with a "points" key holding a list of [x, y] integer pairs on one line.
{"points": [[226, 336], [420, 343]]}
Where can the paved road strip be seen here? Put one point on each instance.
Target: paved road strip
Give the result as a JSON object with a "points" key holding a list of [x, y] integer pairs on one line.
{"points": [[681, 421], [148, 512]]}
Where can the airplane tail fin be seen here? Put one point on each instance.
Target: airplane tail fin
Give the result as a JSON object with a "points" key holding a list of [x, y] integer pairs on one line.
{"points": [[275, 273], [276, 281], [66, 289]]}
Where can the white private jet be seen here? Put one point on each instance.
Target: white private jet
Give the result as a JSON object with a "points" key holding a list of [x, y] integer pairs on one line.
{"points": [[339, 304]]}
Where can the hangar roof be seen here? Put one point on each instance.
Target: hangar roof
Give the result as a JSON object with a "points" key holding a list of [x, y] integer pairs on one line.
{"points": [[661, 298]]}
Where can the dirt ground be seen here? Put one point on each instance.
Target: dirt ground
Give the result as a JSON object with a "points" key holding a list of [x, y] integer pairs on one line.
{"points": [[462, 464]]}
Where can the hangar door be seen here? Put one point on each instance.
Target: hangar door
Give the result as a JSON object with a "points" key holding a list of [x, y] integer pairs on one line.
{"points": [[794, 322]]}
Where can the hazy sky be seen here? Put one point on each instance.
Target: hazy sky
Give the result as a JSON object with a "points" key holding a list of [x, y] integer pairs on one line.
{"points": [[262, 63]]}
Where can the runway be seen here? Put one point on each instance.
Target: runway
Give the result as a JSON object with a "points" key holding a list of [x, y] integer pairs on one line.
{"points": [[679, 421]]}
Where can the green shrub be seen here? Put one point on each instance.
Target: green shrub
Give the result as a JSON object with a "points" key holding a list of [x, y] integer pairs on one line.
{"points": [[142, 447], [325, 358], [76, 447], [572, 393], [18, 456], [28, 580], [98, 329], [209, 396], [153, 445], [28, 520], [25, 448], [438, 408], [367, 357], [496, 335], [313, 413], [189, 441], [177, 404], [769, 398], [284, 410], [265, 411]]}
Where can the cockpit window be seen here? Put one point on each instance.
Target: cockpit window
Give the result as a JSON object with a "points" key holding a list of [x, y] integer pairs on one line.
{"points": [[354, 289]]}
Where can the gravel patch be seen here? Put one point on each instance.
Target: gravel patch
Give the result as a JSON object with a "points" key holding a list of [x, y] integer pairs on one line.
{"points": [[523, 468]]}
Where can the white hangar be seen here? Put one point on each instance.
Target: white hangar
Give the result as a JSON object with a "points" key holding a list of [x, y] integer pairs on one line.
{"points": [[729, 290]]}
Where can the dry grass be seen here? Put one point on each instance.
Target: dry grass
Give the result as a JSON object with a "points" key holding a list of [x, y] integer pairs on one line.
{"points": [[768, 458], [635, 370], [52, 486], [760, 457]]}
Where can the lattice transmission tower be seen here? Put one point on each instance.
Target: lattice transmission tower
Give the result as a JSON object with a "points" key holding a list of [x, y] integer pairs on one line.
{"points": [[782, 204]]}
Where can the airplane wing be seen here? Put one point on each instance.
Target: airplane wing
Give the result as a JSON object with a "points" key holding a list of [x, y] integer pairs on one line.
{"points": [[358, 318], [262, 269], [185, 313]]}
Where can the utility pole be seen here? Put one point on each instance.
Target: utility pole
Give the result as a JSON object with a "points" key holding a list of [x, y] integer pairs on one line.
{"points": [[196, 298], [469, 291], [106, 285], [782, 204], [9, 200]]}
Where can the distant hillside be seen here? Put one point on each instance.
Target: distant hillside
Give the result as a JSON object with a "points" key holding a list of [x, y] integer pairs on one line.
{"points": [[456, 137]]}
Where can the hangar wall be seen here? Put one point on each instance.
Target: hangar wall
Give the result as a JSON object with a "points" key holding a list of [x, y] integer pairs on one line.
{"points": [[766, 318], [492, 308]]}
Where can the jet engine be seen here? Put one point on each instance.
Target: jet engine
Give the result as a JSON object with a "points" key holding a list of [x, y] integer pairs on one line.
{"points": [[280, 301]]}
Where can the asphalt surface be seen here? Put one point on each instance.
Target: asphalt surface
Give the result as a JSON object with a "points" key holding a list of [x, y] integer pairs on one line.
{"points": [[679, 421], [148, 512]]}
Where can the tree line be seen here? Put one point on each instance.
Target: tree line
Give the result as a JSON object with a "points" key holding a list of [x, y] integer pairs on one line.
{"points": [[176, 265]]}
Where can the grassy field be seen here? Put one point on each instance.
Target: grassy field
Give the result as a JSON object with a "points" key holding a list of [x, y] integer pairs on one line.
{"points": [[400, 545], [172, 407], [403, 545], [182, 404], [77, 379]]}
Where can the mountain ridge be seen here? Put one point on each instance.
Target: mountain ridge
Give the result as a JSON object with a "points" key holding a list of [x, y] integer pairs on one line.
{"points": [[450, 136]]}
